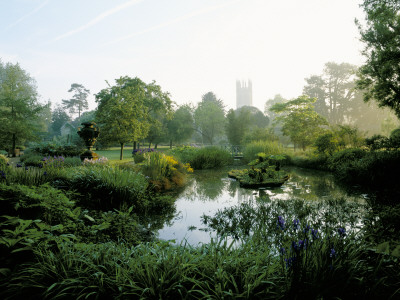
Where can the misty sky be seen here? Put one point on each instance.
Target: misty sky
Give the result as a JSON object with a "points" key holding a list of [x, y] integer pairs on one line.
{"points": [[189, 47]]}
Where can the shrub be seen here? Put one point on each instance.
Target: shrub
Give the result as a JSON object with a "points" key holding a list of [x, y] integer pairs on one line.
{"points": [[32, 160], [55, 149], [267, 147], [184, 154], [138, 154], [395, 138], [3, 161], [164, 170], [326, 144], [369, 168], [377, 141]]}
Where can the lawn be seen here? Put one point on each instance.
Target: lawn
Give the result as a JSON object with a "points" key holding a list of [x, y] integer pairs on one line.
{"points": [[113, 153]]}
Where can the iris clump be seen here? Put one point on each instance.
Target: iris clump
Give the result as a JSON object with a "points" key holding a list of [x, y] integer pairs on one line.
{"points": [[342, 232], [281, 223], [296, 224]]}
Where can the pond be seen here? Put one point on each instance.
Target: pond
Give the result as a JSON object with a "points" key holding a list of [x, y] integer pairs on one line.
{"points": [[211, 190]]}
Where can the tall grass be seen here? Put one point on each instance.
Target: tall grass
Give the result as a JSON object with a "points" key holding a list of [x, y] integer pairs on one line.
{"points": [[108, 187], [203, 158], [268, 147]]}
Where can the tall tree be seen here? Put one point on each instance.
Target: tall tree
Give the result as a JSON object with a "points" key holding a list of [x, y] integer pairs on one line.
{"points": [[121, 113], [209, 117], [159, 106], [79, 101], [269, 103], [58, 118], [379, 76], [299, 120], [334, 91], [180, 127], [19, 106], [242, 121]]}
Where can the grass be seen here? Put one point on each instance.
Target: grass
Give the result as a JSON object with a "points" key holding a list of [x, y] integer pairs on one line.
{"points": [[113, 154]]}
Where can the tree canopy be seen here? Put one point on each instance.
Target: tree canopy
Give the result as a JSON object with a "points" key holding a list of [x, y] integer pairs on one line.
{"points": [[58, 118], [242, 121], [19, 106], [299, 120], [334, 91], [121, 113], [379, 76], [79, 101], [180, 127], [209, 117]]}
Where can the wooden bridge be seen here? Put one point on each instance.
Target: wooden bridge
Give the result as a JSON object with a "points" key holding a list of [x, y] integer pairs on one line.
{"points": [[235, 150]]}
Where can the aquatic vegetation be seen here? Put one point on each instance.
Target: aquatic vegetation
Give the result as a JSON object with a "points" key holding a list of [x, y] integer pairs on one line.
{"points": [[264, 172]]}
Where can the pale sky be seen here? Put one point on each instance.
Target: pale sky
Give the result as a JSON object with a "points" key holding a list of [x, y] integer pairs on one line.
{"points": [[189, 47]]}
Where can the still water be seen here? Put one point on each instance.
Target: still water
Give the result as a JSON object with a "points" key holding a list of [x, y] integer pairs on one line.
{"points": [[210, 190]]}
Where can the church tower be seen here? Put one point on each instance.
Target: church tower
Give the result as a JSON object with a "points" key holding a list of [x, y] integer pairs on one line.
{"points": [[244, 93]]}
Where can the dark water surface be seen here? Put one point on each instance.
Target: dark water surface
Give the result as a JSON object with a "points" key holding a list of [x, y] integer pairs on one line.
{"points": [[210, 190]]}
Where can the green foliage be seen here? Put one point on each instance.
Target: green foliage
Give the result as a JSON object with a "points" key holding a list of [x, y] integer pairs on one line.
{"points": [[40, 202], [106, 187], [378, 76], [127, 111], [30, 176], [259, 134], [268, 147], [243, 121], [79, 101], [121, 112], [299, 120], [288, 249], [370, 168], [19, 107], [180, 127], [209, 117], [326, 144], [203, 158], [377, 141], [58, 118], [3, 161], [164, 171], [348, 136], [395, 138], [55, 148]]}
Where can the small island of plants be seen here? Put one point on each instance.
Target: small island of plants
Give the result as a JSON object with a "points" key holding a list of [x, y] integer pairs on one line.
{"points": [[265, 172]]}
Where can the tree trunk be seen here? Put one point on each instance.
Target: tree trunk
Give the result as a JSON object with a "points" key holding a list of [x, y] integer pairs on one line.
{"points": [[170, 144], [149, 145], [155, 146], [134, 145], [121, 154]]}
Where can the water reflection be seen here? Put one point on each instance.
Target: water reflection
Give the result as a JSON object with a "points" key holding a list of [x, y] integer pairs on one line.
{"points": [[210, 190]]}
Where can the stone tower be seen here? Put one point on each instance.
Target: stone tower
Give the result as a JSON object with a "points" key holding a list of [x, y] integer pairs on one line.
{"points": [[244, 93]]}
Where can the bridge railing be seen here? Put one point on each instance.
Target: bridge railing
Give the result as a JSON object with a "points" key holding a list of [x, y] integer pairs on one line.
{"points": [[235, 150]]}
